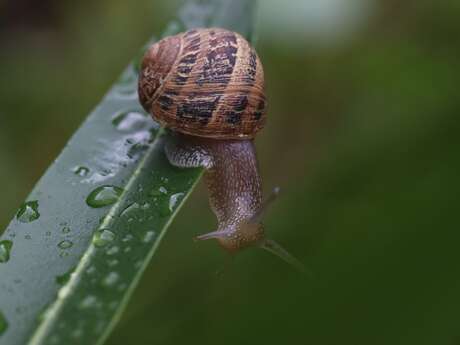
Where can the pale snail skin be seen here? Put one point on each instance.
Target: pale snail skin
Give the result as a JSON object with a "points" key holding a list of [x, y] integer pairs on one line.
{"points": [[233, 183], [207, 86]]}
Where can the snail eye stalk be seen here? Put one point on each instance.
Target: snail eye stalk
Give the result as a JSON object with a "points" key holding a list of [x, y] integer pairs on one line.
{"points": [[276, 249]]}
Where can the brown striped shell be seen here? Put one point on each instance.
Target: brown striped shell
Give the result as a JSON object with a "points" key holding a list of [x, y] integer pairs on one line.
{"points": [[206, 83]]}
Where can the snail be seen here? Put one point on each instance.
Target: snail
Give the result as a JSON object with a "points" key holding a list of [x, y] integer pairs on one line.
{"points": [[207, 87]]}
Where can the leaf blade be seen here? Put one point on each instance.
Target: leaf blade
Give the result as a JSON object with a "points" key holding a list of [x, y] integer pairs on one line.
{"points": [[118, 146]]}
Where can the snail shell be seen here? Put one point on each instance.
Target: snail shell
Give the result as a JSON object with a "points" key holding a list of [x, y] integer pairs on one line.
{"points": [[205, 83]]}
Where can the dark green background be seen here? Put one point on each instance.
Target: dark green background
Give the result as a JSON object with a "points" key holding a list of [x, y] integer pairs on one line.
{"points": [[362, 137]]}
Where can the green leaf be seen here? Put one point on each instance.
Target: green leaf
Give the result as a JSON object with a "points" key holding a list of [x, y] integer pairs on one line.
{"points": [[76, 249]]}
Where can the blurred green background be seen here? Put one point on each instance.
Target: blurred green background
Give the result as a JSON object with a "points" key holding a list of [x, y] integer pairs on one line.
{"points": [[362, 137]]}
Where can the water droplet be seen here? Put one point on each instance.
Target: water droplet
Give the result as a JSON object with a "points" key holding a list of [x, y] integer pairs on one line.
{"points": [[103, 196], [135, 150], [3, 323], [127, 238], [64, 278], [28, 212], [66, 244], [163, 190], [174, 199], [112, 262], [81, 171], [77, 333], [63, 254], [113, 250], [160, 191], [105, 172], [91, 270], [103, 237], [89, 301], [65, 230], [5, 250], [149, 235], [130, 121], [130, 210], [111, 279]]}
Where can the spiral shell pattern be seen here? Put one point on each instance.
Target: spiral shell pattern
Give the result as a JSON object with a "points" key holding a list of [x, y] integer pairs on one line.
{"points": [[206, 83]]}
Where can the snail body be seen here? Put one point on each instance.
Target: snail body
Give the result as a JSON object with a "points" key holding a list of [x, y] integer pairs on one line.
{"points": [[233, 182], [207, 86]]}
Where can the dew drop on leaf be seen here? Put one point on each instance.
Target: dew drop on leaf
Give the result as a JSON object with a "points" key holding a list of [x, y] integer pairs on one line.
{"points": [[103, 196], [111, 279], [112, 262], [5, 250], [127, 238], [77, 333], [160, 191], [81, 171], [91, 270], [112, 251], [103, 237], [65, 230], [136, 150], [89, 301], [131, 210], [28, 212], [149, 236], [66, 244], [130, 121], [174, 199]]}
